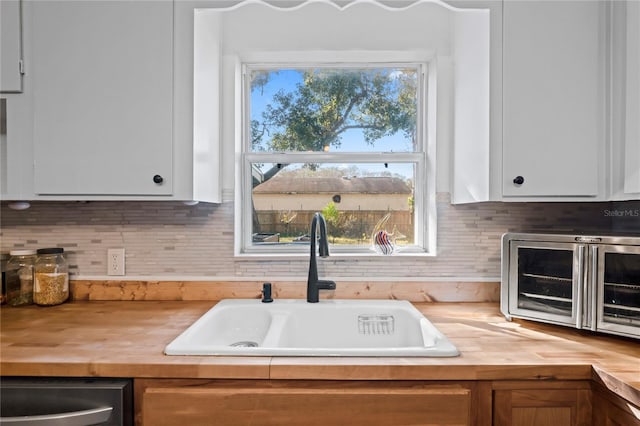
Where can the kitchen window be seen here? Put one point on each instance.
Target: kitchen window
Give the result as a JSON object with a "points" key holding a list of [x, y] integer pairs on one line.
{"points": [[348, 139], [263, 47]]}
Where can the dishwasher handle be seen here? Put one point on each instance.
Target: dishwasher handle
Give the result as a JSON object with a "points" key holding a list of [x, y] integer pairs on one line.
{"points": [[93, 416]]}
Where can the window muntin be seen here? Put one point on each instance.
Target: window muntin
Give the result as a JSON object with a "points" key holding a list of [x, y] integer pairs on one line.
{"points": [[390, 155]]}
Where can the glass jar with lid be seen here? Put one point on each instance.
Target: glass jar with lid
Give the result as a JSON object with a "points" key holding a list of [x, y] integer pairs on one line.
{"points": [[51, 285], [19, 277]]}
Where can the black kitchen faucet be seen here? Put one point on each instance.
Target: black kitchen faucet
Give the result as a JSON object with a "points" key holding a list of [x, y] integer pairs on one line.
{"points": [[314, 285]]}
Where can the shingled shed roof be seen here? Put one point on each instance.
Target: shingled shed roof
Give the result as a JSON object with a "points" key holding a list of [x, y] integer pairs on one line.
{"points": [[330, 185]]}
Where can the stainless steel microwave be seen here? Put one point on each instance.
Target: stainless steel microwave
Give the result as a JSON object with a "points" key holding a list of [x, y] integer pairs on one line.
{"points": [[583, 281]]}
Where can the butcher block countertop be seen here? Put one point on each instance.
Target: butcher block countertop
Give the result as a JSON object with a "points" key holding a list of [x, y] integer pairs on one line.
{"points": [[127, 338]]}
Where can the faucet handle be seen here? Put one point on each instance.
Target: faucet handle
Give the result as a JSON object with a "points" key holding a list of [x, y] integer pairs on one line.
{"points": [[326, 285], [266, 293]]}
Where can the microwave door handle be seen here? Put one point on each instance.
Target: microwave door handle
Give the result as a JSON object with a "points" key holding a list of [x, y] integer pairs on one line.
{"points": [[579, 286], [593, 288]]}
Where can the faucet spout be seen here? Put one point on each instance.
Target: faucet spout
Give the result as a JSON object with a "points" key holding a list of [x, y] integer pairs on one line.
{"points": [[313, 283]]}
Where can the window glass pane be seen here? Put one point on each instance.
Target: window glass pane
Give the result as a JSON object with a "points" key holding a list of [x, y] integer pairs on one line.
{"points": [[334, 109], [358, 201]]}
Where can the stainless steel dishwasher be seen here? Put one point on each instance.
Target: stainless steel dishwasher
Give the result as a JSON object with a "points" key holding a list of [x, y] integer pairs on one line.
{"points": [[66, 401]]}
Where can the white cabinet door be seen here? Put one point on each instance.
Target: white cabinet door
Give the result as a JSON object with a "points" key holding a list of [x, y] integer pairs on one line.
{"points": [[103, 84], [553, 98], [10, 46], [632, 116]]}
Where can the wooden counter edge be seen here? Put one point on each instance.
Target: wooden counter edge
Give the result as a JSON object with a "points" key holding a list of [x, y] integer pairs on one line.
{"points": [[616, 385]]}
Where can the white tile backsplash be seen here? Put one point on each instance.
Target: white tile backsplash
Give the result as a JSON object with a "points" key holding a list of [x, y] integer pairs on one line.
{"points": [[169, 239]]}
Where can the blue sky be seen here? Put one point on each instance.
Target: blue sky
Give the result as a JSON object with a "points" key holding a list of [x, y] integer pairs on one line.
{"points": [[351, 141]]}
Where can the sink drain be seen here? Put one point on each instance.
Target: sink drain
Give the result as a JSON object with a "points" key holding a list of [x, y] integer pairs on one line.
{"points": [[244, 344]]}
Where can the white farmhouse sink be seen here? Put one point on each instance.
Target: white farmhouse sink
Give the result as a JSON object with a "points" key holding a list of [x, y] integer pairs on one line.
{"points": [[248, 327]]}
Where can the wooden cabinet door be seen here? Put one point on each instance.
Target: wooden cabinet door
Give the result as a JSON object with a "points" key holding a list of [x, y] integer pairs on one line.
{"points": [[530, 404], [611, 410], [103, 97], [250, 402], [553, 98]]}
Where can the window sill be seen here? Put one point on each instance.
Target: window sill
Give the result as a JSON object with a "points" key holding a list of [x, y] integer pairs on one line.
{"points": [[334, 256]]}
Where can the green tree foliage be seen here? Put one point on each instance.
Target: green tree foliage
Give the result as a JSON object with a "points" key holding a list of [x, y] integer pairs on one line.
{"points": [[331, 214], [339, 224], [332, 217], [327, 103]]}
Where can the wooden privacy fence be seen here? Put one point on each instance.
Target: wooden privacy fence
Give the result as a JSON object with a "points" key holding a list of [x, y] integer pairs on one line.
{"points": [[351, 223]]}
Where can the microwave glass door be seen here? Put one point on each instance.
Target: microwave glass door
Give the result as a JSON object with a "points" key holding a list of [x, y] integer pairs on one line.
{"points": [[619, 289], [547, 276]]}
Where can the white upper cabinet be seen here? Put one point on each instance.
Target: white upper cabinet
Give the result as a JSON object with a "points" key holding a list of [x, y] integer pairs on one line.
{"points": [[554, 99], [103, 98], [11, 65], [624, 160], [106, 109], [631, 147]]}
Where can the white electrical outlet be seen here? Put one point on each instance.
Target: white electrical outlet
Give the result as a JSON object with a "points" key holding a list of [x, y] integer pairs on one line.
{"points": [[115, 261]]}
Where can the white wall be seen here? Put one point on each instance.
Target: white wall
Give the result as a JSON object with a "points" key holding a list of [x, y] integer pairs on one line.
{"points": [[426, 31]]}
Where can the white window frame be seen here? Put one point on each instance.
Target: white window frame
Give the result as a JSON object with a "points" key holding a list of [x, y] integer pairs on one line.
{"points": [[423, 158]]}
